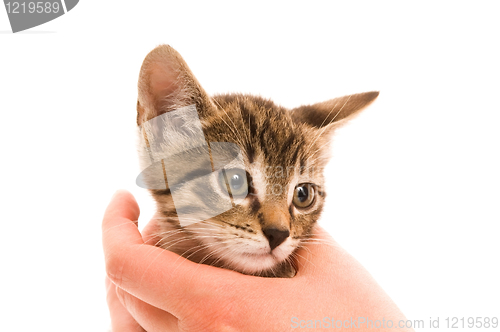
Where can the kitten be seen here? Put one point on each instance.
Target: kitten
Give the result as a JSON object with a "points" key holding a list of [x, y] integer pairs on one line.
{"points": [[249, 192]]}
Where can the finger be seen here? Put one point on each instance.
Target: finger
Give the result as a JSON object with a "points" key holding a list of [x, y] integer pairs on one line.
{"points": [[317, 252], [154, 275], [119, 218], [121, 320], [150, 233], [123, 204], [151, 318]]}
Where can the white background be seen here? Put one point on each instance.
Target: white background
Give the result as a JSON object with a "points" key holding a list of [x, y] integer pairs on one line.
{"points": [[413, 187]]}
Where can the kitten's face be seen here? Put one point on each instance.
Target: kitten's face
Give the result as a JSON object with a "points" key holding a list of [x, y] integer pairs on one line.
{"points": [[276, 190]]}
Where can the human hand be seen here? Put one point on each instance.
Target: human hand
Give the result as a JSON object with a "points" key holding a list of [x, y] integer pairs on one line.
{"points": [[161, 291]]}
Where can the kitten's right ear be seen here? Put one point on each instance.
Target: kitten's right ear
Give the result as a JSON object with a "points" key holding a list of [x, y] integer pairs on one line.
{"points": [[166, 83]]}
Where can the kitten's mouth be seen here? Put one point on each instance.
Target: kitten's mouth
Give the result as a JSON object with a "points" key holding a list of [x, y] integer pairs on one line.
{"points": [[248, 256]]}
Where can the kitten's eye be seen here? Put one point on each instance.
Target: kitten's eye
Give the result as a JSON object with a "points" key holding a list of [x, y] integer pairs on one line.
{"points": [[303, 196], [236, 180]]}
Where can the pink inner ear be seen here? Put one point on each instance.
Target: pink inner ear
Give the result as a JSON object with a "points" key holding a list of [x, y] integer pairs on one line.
{"points": [[166, 84], [162, 81]]}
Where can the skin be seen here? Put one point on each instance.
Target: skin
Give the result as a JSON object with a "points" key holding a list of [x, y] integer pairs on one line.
{"points": [[151, 287]]}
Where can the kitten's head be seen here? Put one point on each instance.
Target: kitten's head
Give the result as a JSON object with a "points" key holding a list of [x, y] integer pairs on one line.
{"points": [[269, 181]]}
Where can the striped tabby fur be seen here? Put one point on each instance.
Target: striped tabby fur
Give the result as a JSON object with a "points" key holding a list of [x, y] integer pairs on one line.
{"points": [[282, 149]]}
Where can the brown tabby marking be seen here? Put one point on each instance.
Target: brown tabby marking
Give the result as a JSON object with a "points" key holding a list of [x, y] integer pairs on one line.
{"points": [[284, 151]]}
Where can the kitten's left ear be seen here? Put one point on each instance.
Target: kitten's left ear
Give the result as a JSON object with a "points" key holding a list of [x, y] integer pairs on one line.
{"points": [[333, 112], [166, 83]]}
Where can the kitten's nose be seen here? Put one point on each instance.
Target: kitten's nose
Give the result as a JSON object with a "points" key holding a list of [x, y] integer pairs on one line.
{"points": [[275, 236]]}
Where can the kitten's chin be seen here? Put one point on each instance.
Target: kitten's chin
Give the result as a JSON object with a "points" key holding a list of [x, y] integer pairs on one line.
{"points": [[253, 263], [263, 265], [259, 263]]}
